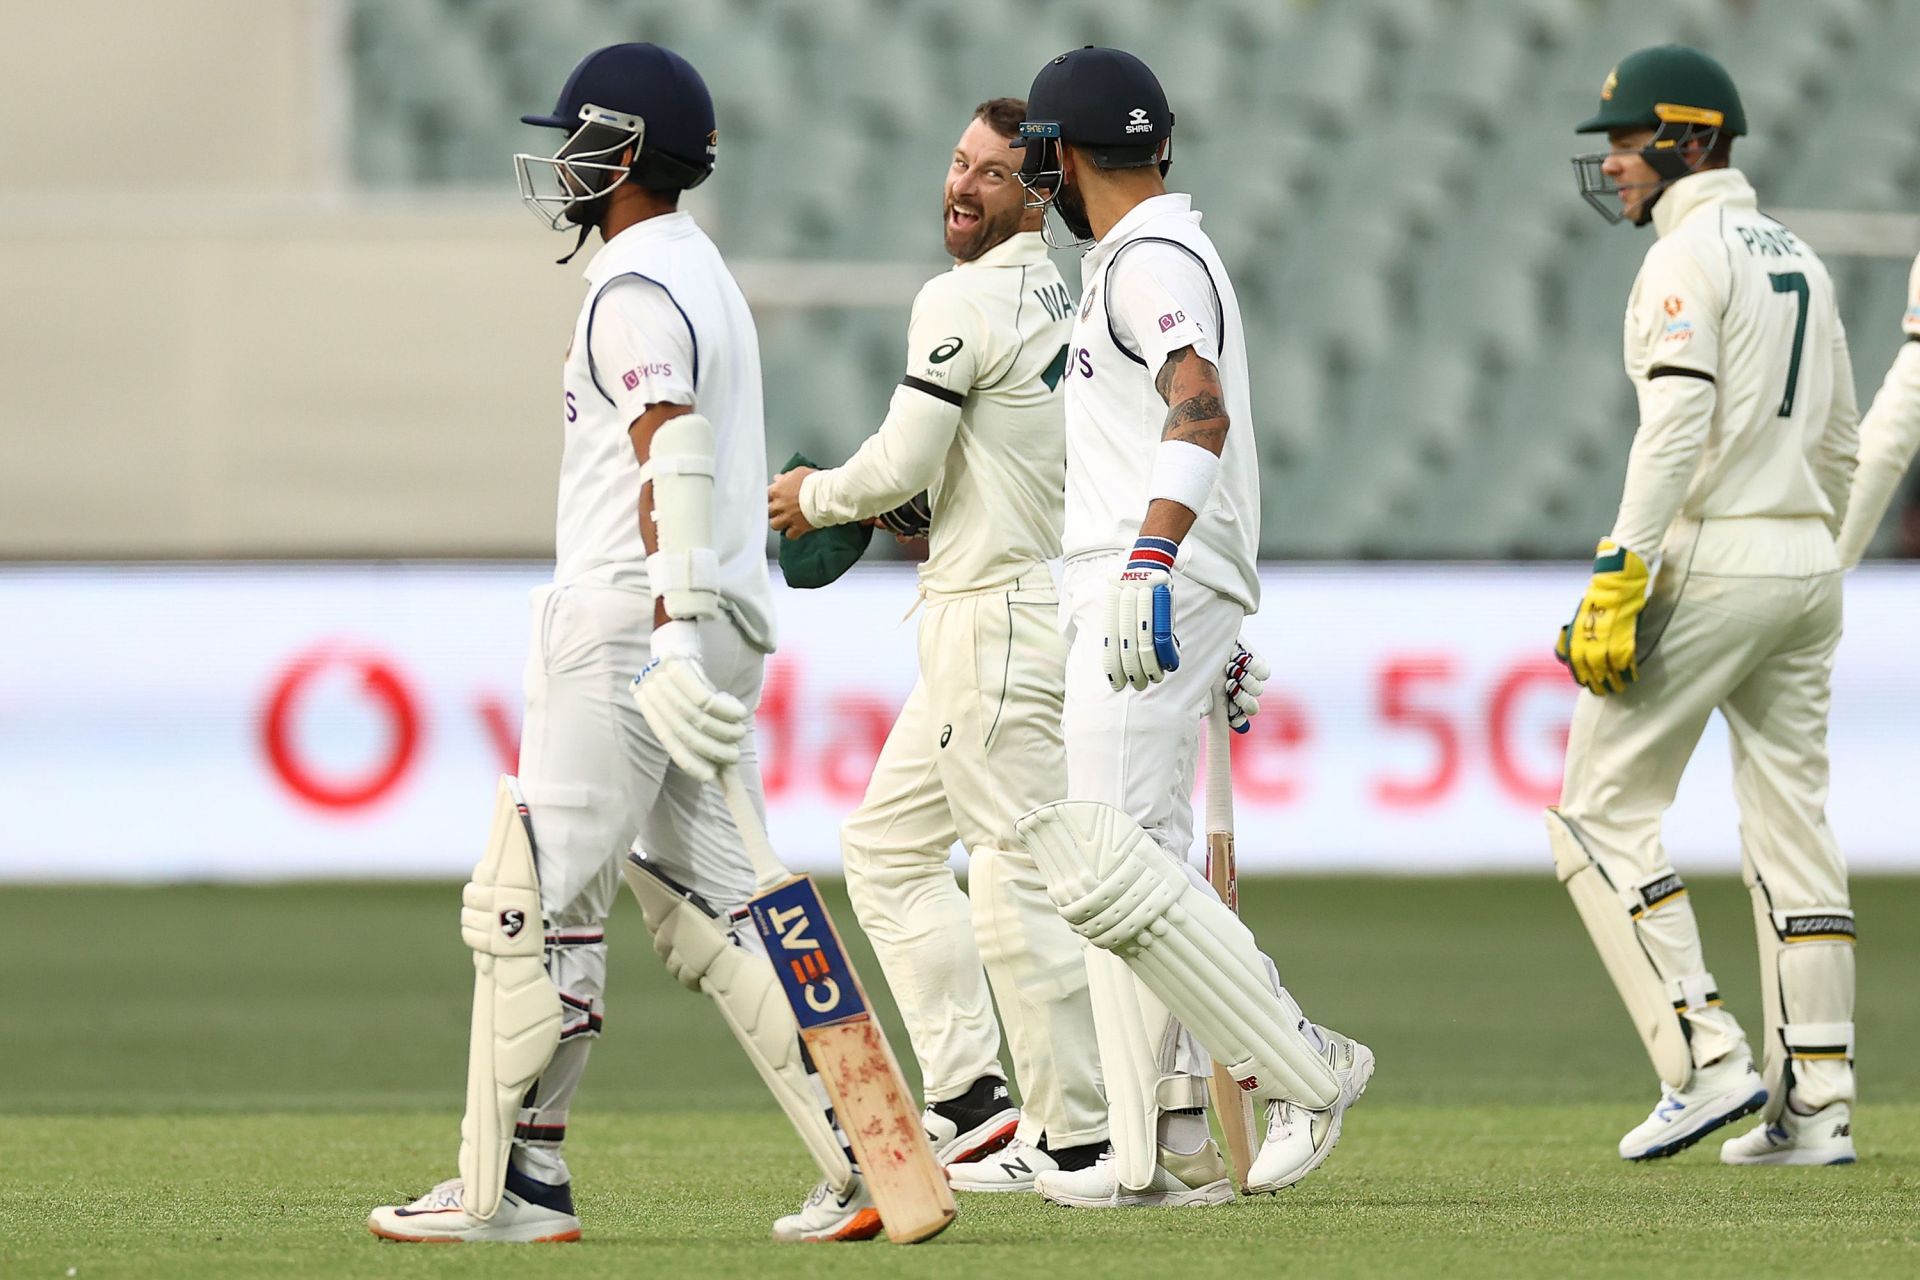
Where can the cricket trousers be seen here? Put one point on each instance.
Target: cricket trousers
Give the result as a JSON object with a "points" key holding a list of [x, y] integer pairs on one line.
{"points": [[598, 782], [1755, 618], [1136, 750], [977, 744]]}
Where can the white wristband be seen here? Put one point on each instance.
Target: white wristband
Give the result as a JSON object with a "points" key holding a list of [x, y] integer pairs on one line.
{"points": [[1183, 473]]}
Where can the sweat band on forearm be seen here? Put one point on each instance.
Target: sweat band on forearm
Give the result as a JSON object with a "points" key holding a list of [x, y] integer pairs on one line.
{"points": [[1184, 473]]}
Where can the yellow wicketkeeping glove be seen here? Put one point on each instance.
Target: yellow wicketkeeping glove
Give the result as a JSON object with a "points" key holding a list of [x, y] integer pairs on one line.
{"points": [[1598, 644]]}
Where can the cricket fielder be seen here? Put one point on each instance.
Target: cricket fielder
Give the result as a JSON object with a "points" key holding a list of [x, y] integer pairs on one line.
{"points": [[1889, 435], [976, 422], [661, 571], [1162, 523], [1718, 588]]}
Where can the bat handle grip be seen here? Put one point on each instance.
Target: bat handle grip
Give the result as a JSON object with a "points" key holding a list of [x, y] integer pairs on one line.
{"points": [[767, 868], [1219, 768]]}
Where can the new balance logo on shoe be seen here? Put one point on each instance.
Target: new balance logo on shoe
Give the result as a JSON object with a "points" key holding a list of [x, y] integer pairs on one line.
{"points": [[1014, 1168]]}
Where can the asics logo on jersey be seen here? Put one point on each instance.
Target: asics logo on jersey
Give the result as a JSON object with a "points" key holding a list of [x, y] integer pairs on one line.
{"points": [[945, 351], [1137, 121]]}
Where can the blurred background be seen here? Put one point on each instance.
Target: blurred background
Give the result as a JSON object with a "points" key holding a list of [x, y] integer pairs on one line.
{"points": [[275, 327]]}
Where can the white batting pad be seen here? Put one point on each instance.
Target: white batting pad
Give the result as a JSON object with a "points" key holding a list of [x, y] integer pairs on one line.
{"points": [[1120, 892], [702, 954], [516, 1011]]}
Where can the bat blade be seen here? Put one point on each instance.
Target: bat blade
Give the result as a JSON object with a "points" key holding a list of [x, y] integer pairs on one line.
{"points": [[1230, 1103], [855, 1063]]}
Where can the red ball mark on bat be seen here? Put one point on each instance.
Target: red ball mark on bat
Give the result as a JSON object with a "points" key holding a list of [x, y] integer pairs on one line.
{"points": [[386, 689]]}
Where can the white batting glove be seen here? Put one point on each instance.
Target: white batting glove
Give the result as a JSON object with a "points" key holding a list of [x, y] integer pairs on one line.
{"points": [[699, 725], [1140, 647], [1247, 674]]}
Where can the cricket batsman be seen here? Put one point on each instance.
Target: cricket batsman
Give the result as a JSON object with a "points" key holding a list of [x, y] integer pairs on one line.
{"points": [[1162, 525], [644, 670], [1718, 588], [976, 423], [1889, 435]]}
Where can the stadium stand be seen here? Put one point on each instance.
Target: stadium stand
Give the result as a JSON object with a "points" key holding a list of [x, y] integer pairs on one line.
{"points": [[1434, 313]]}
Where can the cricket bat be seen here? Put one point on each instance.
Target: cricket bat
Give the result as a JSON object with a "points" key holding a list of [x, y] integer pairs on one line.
{"points": [[1231, 1106], [848, 1048]]}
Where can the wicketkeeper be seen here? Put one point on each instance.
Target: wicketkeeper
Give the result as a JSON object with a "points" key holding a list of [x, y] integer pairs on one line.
{"points": [[1717, 589]]}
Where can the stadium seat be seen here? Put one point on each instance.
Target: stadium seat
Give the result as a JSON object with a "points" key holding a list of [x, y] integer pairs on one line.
{"points": [[1433, 316]]}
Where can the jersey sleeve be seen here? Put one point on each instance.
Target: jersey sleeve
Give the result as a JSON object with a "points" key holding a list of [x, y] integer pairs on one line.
{"points": [[640, 346], [946, 344], [1677, 304], [947, 349], [1160, 299]]}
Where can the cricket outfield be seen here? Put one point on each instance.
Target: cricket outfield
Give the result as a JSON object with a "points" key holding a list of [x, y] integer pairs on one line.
{"points": [[221, 1081]]}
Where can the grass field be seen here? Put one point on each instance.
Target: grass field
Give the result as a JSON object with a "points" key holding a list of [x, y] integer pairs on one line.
{"points": [[220, 1082]]}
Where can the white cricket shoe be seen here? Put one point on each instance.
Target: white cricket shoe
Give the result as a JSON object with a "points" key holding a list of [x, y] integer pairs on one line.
{"points": [[1298, 1140], [1715, 1096], [1012, 1168], [1179, 1182], [829, 1215], [438, 1218], [977, 1123], [1825, 1137]]}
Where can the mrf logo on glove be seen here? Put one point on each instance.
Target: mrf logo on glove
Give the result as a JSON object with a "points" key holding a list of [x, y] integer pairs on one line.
{"points": [[1598, 646]]}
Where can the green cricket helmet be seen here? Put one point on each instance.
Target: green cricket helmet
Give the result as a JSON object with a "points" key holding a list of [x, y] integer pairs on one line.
{"points": [[1683, 96]]}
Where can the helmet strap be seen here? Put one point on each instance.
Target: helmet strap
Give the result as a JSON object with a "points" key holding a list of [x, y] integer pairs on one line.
{"points": [[586, 229]]}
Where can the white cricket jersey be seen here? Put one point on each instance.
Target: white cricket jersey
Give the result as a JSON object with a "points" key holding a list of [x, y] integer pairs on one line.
{"points": [[663, 322], [1889, 435], [976, 422], [1730, 297], [1152, 285]]}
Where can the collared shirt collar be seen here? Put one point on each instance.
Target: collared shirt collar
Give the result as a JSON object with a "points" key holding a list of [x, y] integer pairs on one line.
{"points": [[663, 226], [1021, 249], [1700, 191], [1173, 202]]}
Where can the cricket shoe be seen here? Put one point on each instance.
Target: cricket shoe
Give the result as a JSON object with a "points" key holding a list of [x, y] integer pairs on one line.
{"points": [[1299, 1140], [830, 1215], [977, 1123], [1179, 1182], [530, 1212], [1013, 1167], [1825, 1137], [1715, 1096]]}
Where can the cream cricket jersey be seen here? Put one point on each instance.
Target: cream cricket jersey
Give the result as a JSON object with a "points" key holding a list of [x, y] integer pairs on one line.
{"points": [[1740, 308], [976, 422], [663, 322], [1153, 284], [1889, 435]]}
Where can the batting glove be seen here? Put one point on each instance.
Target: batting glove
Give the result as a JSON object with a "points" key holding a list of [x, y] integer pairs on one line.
{"points": [[1598, 645], [1140, 647], [699, 725], [1247, 674]]}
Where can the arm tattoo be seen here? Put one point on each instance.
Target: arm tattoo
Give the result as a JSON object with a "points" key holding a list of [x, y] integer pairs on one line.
{"points": [[1163, 380], [1195, 411]]}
